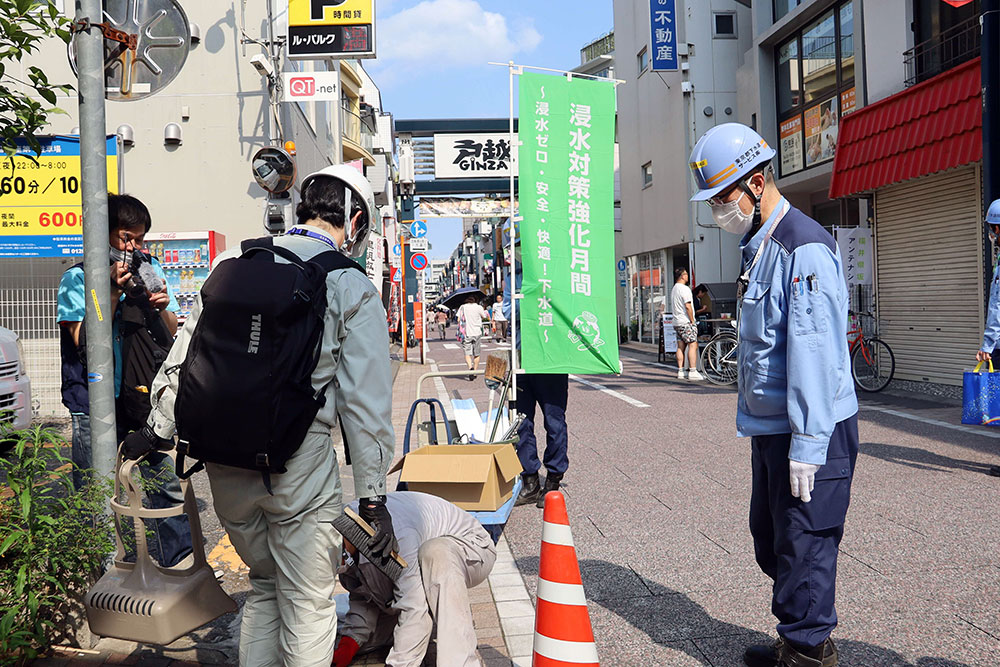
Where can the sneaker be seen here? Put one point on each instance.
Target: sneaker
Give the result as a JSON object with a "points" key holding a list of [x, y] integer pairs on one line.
{"points": [[680, 374], [695, 376]]}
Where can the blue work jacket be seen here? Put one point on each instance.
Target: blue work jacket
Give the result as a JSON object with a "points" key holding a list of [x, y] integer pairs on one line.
{"points": [[991, 336], [794, 370]]}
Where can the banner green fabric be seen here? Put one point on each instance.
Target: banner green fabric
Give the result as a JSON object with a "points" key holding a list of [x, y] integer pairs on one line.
{"points": [[568, 319]]}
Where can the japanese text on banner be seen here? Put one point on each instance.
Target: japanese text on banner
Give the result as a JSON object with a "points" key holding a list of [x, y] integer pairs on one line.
{"points": [[566, 175], [663, 26]]}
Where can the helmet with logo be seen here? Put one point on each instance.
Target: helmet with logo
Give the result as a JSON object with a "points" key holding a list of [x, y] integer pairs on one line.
{"points": [[725, 155], [358, 194], [993, 214]]}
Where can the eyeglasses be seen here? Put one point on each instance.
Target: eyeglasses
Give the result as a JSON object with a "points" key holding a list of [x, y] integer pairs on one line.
{"points": [[721, 198]]}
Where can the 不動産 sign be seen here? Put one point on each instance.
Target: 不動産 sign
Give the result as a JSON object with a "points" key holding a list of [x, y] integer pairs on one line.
{"points": [[568, 319]]}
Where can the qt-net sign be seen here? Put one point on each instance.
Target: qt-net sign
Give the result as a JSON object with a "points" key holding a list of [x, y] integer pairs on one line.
{"points": [[331, 29]]}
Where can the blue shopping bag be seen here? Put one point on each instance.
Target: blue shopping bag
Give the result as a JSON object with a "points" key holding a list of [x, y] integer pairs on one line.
{"points": [[981, 397]]}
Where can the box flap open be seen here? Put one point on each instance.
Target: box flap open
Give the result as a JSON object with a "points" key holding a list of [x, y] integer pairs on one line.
{"points": [[508, 464]]}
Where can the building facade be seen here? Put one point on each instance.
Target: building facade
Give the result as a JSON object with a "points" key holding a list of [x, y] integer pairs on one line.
{"points": [[875, 111], [661, 114]]}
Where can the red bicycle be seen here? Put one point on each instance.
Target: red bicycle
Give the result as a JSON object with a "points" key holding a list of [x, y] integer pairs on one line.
{"points": [[872, 361]]}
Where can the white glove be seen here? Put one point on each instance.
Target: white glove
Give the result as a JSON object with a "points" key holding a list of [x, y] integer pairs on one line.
{"points": [[802, 477]]}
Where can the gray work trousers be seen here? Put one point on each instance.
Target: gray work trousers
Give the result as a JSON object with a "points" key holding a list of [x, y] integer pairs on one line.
{"points": [[449, 567], [289, 543]]}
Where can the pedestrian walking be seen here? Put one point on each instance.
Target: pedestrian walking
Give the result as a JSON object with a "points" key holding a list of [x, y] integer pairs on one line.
{"points": [[128, 223], [280, 522], [682, 303], [442, 322], [447, 552], [796, 397], [991, 335], [500, 320], [471, 316]]}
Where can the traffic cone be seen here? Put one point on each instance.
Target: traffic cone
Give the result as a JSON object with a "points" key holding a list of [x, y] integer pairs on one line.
{"points": [[563, 635]]}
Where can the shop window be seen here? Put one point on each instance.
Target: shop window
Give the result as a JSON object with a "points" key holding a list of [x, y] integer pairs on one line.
{"points": [[643, 60], [724, 25], [647, 174], [814, 79]]}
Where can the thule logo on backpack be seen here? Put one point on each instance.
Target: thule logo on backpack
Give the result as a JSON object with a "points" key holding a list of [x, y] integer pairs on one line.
{"points": [[255, 327]]}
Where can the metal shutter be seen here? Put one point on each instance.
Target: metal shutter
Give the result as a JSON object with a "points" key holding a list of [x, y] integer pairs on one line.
{"points": [[929, 273]]}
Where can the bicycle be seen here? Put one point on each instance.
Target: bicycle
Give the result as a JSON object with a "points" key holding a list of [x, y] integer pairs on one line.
{"points": [[718, 358], [872, 362]]}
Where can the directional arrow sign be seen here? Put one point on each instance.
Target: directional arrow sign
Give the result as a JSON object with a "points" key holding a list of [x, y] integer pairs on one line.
{"points": [[418, 229], [418, 261], [396, 250]]}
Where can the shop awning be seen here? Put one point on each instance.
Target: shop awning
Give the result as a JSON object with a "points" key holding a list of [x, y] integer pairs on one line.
{"points": [[933, 126]]}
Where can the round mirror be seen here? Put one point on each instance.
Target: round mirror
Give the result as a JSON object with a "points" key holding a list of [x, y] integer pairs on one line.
{"points": [[273, 169]]}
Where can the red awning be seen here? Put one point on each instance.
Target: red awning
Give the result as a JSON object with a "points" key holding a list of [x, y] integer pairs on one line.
{"points": [[933, 126]]}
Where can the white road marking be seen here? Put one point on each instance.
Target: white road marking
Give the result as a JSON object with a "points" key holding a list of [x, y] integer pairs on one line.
{"points": [[451, 346], [458, 364], [610, 392], [932, 422]]}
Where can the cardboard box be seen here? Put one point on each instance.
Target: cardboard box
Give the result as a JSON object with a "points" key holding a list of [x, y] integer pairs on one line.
{"points": [[474, 477]]}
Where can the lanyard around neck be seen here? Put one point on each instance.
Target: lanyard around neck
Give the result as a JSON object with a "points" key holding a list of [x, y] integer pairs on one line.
{"points": [[778, 215], [299, 231]]}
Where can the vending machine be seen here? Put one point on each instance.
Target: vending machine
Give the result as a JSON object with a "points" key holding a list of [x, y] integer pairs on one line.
{"points": [[186, 258]]}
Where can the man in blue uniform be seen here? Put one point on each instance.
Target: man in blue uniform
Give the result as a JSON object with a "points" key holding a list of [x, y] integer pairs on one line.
{"points": [[796, 397], [991, 336]]}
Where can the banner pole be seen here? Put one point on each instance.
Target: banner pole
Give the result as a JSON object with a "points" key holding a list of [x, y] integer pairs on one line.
{"points": [[513, 234]]}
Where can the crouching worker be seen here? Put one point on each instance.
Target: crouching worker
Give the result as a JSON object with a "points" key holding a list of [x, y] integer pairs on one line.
{"points": [[447, 552]]}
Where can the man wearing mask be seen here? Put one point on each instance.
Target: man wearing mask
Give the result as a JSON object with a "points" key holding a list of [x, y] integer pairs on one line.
{"points": [[991, 336], [796, 398]]}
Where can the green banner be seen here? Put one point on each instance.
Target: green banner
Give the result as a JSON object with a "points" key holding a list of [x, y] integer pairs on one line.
{"points": [[566, 180]]}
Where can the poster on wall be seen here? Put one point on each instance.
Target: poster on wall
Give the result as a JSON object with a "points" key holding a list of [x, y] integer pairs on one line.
{"points": [[857, 254], [821, 132], [791, 145], [848, 102]]}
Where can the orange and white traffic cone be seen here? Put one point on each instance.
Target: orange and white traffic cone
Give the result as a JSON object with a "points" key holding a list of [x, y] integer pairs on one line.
{"points": [[563, 635]]}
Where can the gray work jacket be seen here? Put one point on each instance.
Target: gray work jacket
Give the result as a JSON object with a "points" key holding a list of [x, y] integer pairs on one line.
{"points": [[353, 366]]}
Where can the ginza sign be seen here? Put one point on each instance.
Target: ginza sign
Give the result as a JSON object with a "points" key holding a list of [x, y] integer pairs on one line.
{"points": [[473, 155], [309, 87]]}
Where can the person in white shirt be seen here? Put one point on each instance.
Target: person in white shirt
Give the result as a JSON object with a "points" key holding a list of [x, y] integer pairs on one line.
{"points": [[472, 314], [499, 320], [684, 326]]}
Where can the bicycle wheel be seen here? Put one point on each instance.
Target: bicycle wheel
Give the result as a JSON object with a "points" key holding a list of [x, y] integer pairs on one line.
{"points": [[718, 359], [872, 365]]}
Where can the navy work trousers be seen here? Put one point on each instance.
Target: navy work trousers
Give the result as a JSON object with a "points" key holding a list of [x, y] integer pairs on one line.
{"points": [[795, 542], [549, 391]]}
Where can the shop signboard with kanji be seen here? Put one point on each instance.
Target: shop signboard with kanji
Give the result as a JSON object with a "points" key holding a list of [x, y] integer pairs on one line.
{"points": [[473, 155], [663, 26], [41, 210], [331, 29], [568, 317], [857, 254]]}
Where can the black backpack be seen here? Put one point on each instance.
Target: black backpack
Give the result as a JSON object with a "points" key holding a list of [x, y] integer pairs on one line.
{"points": [[245, 395]]}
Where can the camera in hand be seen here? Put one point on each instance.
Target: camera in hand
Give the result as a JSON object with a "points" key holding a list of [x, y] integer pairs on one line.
{"points": [[144, 280]]}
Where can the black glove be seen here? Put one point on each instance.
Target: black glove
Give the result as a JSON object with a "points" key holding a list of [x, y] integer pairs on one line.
{"points": [[374, 512], [139, 443]]}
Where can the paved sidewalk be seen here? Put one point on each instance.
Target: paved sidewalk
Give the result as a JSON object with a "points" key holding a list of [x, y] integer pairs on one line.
{"points": [[502, 610]]}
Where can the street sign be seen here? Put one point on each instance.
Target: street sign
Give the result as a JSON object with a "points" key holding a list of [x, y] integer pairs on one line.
{"points": [[418, 261], [396, 250], [310, 87], [418, 243], [331, 29], [418, 229], [394, 274], [145, 46], [40, 201], [621, 264]]}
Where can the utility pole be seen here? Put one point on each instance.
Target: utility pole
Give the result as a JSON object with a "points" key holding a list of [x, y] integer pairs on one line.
{"points": [[990, 68], [96, 261]]}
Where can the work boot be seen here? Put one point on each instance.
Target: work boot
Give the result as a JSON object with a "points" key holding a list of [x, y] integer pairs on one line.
{"points": [[763, 655], [530, 489], [824, 655], [551, 484]]}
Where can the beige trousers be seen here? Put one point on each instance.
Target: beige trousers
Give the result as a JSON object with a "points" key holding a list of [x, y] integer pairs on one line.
{"points": [[289, 543]]}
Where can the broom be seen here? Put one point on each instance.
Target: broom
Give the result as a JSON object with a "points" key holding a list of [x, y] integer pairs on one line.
{"points": [[495, 376], [357, 531]]}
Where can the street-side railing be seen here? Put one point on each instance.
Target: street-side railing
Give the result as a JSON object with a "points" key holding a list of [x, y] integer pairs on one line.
{"points": [[942, 52]]}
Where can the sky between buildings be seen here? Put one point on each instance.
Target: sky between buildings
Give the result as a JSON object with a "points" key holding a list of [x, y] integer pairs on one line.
{"points": [[433, 55]]}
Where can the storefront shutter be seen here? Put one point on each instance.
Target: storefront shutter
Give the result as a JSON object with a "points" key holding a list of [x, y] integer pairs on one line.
{"points": [[929, 273]]}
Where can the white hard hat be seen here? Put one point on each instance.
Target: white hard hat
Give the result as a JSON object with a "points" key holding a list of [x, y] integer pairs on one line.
{"points": [[357, 191]]}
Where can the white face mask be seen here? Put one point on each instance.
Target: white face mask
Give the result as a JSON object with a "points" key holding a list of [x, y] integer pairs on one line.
{"points": [[731, 218]]}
